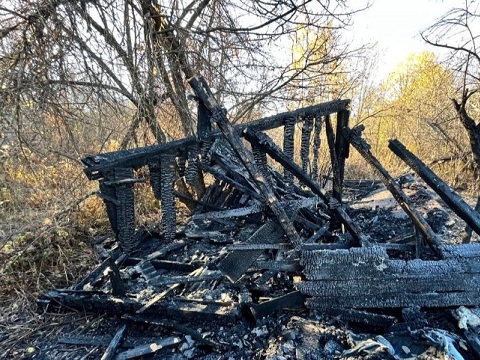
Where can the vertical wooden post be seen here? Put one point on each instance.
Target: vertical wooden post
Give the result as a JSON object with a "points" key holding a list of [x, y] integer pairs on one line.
{"points": [[289, 144], [341, 146], [167, 176], [305, 148], [124, 200], [316, 145], [337, 180]]}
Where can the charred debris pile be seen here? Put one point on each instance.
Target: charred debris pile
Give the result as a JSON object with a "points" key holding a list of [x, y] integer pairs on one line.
{"points": [[265, 236]]}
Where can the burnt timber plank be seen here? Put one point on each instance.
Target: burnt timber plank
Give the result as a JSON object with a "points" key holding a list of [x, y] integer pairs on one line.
{"points": [[361, 317], [167, 174], [149, 348], [354, 137], [236, 263], [136, 158], [218, 115], [415, 267], [261, 139], [461, 251], [451, 198], [430, 299], [392, 285], [109, 354], [101, 303], [353, 256], [293, 300]]}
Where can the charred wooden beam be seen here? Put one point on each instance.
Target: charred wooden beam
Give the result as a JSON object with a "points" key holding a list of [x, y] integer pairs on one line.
{"points": [[180, 328], [451, 198], [289, 144], [118, 288], [236, 263], [221, 174], [169, 217], [426, 299], [341, 142], [337, 180], [96, 165], [305, 143], [149, 348], [261, 139], [125, 210], [109, 354], [354, 137], [218, 115], [361, 317], [316, 145], [98, 271], [101, 303], [293, 300]]}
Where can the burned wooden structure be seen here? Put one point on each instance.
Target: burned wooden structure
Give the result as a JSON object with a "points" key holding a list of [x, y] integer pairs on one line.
{"points": [[272, 236]]}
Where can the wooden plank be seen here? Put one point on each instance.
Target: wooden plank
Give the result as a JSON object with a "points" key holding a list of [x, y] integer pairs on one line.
{"points": [[169, 217], [236, 263], [109, 354], [430, 299], [316, 145], [451, 198], [352, 256], [149, 348], [392, 285], [293, 300], [96, 165]]}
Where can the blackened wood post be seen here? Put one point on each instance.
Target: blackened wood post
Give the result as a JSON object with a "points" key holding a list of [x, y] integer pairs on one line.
{"points": [[167, 176], [305, 143], [354, 137], [316, 145], [289, 143], [337, 180], [123, 182], [218, 115], [451, 198], [341, 146]]}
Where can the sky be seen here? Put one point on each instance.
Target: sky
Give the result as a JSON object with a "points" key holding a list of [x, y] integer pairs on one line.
{"points": [[395, 27]]}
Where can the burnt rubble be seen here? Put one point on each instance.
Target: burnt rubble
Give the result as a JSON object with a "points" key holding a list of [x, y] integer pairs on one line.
{"points": [[268, 252]]}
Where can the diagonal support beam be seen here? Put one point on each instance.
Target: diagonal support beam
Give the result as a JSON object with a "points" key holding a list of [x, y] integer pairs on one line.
{"points": [[218, 115], [354, 137], [262, 140]]}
